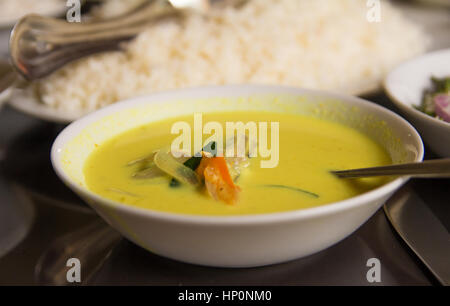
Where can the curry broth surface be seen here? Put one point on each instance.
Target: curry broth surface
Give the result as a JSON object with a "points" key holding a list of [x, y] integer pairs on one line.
{"points": [[308, 149]]}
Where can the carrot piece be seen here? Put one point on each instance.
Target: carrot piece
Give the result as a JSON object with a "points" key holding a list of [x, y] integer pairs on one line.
{"points": [[218, 180], [218, 188], [221, 164]]}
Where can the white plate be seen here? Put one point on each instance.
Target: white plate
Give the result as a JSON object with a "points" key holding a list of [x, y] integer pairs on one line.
{"points": [[25, 101], [405, 86]]}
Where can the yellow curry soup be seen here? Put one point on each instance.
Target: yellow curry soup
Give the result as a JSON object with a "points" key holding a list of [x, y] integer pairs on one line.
{"points": [[308, 149]]}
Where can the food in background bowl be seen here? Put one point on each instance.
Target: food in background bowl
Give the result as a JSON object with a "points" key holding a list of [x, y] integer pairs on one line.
{"points": [[406, 85], [436, 100], [250, 239]]}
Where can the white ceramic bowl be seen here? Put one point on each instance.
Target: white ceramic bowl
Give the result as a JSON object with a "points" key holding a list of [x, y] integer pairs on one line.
{"points": [[405, 86], [235, 241]]}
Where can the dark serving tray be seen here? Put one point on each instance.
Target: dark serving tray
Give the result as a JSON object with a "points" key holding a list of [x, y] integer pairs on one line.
{"points": [[36, 209]]}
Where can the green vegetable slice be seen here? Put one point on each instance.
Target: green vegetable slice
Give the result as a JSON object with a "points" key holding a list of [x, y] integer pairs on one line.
{"points": [[168, 164], [193, 162]]}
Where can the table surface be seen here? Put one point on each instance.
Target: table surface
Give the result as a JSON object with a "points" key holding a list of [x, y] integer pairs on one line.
{"points": [[37, 211]]}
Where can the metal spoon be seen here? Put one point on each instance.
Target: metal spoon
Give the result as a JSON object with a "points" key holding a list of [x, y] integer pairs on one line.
{"points": [[429, 168], [40, 45]]}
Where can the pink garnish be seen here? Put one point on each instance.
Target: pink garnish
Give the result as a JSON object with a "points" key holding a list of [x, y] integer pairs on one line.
{"points": [[442, 106]]}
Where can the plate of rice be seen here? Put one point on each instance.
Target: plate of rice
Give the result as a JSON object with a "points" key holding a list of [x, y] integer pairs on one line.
{"points": [[326, 45]]}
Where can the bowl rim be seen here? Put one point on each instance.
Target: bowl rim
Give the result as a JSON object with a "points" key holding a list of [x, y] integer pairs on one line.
{"points": [[402, 105], [264, 218]]}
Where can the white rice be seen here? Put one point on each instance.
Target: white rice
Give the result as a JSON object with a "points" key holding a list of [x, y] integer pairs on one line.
{"points": [[321, 44]]}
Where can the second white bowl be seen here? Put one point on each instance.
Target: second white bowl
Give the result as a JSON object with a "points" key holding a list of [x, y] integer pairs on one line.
{"points": [[405, 86]]}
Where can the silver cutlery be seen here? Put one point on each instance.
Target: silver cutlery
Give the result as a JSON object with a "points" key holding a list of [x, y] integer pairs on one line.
{"points": [[40, 45], [422, 231], [429, 168]]}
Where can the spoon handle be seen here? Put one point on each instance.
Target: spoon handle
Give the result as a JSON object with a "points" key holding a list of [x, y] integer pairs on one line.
{"points": [[430, 168], [40, 45]]}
